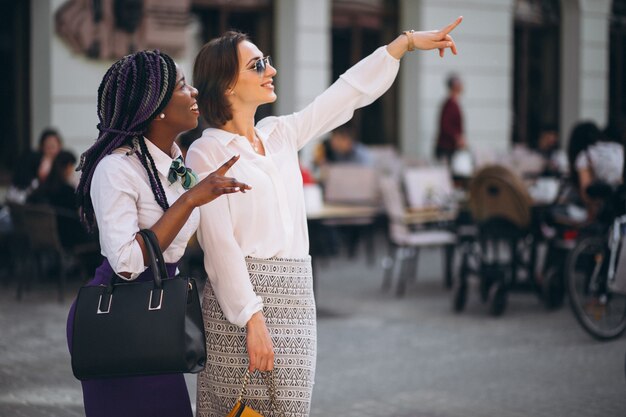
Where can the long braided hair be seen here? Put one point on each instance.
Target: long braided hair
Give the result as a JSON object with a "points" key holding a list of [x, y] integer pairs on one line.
{"points": [[133, 91]]}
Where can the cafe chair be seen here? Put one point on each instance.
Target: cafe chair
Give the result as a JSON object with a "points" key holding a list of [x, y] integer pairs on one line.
{"points": [[500, 207], [428, 188], [37, 225], [386, 159], [405, 242], [352, 184]]}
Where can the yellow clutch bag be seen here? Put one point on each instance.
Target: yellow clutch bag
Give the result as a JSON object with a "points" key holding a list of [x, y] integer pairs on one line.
{"points": [[240, 409]]}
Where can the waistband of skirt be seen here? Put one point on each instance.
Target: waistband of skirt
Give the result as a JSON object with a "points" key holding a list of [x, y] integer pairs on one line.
{"points": [[278, 260]]}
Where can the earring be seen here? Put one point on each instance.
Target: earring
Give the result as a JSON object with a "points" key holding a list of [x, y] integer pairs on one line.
{"points": [[162, 116]]}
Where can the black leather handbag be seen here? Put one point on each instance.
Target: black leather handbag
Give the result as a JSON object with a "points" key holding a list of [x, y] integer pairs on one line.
{"points": [[139, 328]]}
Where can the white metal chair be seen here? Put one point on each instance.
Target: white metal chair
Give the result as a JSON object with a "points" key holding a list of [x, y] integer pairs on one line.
{"points": [[428, 187], [404, 242]]}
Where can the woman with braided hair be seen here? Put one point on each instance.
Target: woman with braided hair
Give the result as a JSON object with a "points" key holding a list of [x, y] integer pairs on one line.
{"points": [[258, 305], [133, 178]]}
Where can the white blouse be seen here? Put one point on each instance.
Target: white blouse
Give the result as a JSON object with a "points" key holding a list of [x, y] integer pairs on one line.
{"points": [[605, 159], [124, 203], [270, 220]]}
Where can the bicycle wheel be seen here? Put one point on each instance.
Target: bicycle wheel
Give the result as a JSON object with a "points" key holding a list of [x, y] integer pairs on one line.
{"points": [[601, 313]]}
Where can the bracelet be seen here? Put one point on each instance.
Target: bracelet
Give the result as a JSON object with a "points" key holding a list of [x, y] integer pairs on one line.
{"points": [[409, 35]]}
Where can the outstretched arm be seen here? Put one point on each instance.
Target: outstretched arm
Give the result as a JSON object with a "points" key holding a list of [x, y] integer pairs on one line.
{"points": [[359, 86]]}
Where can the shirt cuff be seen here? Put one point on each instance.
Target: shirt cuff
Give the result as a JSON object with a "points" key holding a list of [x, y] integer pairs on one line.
{"points": [[130, 262], [389, 56], [248, 311]]}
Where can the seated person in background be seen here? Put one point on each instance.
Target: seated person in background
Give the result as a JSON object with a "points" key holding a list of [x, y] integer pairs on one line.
{"points": [[50, 144], [33, 167], [341, 147], [58, 191], [593, 157], [555, 160]]}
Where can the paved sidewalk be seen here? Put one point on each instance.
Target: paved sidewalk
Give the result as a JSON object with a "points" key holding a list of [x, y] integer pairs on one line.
{"points": [[379, 356]]}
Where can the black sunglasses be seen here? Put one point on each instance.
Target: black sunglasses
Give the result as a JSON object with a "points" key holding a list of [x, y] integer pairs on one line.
{"points": [[260, 65]]}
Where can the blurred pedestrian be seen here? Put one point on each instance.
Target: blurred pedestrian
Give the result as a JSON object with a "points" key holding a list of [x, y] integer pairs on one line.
{"points": [[133, 178], [258, 305], [450, 136]]}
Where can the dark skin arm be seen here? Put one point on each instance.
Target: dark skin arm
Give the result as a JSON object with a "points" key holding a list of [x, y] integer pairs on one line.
{"points": [[207, 190]]}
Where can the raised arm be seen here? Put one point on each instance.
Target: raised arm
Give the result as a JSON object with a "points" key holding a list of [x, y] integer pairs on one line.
{"points": [[359, 86]]}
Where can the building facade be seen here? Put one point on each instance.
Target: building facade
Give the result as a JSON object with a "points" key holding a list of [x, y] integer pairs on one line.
{"points": [[524, 63]]}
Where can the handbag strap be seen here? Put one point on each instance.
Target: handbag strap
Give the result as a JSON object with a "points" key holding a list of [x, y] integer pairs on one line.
{"points": [[151, 237], [155, 254], [268, 378]]}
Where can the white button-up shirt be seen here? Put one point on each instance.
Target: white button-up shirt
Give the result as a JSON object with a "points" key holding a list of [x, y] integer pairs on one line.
{"points": [[270, 220], [124, 203]]}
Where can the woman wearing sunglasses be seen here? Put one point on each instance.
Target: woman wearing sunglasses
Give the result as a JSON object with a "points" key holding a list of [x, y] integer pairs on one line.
{"points": [[259, 308]]}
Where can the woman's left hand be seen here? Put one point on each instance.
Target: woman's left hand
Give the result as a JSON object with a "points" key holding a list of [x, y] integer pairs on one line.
{"points": [[259, 344], [437, 39]]}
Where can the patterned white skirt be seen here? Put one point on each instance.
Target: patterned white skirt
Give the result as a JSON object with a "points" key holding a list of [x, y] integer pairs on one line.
{"points": [[286, 286]]}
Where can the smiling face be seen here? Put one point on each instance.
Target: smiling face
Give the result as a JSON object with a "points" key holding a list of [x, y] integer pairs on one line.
{"points": [[181, 112], [251, 87]]}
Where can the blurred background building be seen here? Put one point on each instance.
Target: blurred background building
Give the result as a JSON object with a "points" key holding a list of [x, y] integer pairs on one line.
{"points": [[525, 64]]}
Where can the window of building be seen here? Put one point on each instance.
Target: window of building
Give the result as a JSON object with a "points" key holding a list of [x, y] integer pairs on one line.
{"points": [[536, 67], [358, 28], [14, 88], [617, 63]]}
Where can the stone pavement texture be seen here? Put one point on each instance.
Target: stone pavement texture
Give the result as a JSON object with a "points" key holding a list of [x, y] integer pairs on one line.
{"points": [[379, 355]]}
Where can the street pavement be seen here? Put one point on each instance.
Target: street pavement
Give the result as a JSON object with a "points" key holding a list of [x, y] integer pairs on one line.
{"points": [[378, 355]]}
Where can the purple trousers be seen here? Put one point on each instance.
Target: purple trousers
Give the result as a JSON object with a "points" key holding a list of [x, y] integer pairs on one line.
{"points": [[144, 396]]}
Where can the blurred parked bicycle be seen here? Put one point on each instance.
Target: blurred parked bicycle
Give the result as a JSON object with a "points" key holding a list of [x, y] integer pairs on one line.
{"points": [[596, 271]]}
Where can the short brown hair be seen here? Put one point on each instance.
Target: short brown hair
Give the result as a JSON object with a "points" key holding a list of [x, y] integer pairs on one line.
{"points": [[216, 69], [346, 129]]}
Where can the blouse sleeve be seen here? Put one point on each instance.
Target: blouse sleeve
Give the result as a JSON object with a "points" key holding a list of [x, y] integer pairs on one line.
{"points": [[224, 261], [357, 87], [582, 161], [114, 199]]}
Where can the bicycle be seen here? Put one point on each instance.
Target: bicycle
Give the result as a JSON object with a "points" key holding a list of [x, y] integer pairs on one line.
{"points": [[595, 279]]}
